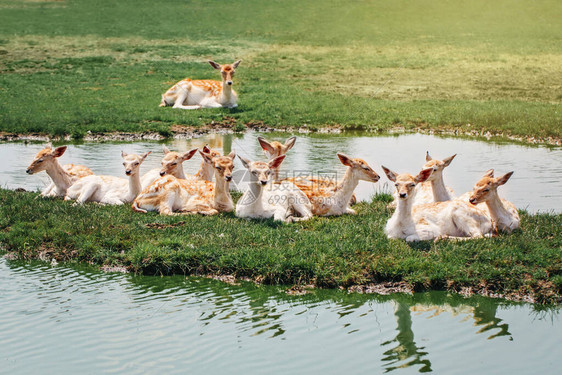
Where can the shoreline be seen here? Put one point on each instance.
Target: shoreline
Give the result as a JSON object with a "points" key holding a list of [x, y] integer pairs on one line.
{"points": [[189, 132]]}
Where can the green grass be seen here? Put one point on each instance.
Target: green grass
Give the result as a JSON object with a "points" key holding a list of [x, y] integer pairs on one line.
{"points": [[68, 67], [326, 252]]}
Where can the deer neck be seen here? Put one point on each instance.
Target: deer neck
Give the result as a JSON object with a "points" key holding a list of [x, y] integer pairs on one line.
{"points": [[404, 211], [226, 91], [60, 177], [497, 209], [205, 172], [179, 172], [255, 193], [440, 193], [346, 188], [222, 199], [135, 186]]}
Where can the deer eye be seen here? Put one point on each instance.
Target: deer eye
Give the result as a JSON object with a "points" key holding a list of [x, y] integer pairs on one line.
{"points": [[219, 169], [487, 189], [396, 185], [40, 161], [137, 163], [412, 185], [175, 163], [124, 164]]}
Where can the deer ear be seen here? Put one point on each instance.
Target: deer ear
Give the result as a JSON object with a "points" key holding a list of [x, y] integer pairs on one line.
{"points": [[189, 154], [391, 175], [245, 162], [232, 155], [503, 179], [214, 64], [206, 157], [206, 149], [266, 145], [345, 160], [289, 143], [427, 156], [275, 163], [235, 65], [58, 151], [449, 160], [423, 175], [165, 149], [123, 154], [145, 155], [489, 173]]}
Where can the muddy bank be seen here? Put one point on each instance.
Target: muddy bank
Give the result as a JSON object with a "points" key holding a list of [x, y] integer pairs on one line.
{"points": [[229, 127]]}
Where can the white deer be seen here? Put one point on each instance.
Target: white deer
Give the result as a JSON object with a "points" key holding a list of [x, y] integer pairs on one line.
{"points": [[263, 200], [109, 189], [170, 195], [503, 213], [62, 177], [172, 164], [449, 219], [334, 199], [188, 94]]}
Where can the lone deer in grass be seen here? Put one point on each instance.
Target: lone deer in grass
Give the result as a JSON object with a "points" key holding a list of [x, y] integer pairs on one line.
{"points": [[62, 177], [109, 189], [449, 219], [172, 164], [188, 94], [334, 199], [263, 200], [503, 213], [170, 195]]}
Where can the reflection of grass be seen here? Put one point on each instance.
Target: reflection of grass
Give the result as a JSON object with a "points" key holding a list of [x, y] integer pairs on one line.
{"points": [[101, 66], [327, 252]]}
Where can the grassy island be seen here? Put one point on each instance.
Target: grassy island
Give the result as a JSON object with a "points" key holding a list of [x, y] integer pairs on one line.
{"points": [[347, 251]]}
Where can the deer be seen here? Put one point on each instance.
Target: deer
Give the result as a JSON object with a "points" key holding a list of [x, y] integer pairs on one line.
{"points": [[334, 199], [195, 94], [501, 212], [264, 200], [172, 196], [172, 164], [109, 189], [274, 149], [433, 189], [454, 219], [62, 177]]}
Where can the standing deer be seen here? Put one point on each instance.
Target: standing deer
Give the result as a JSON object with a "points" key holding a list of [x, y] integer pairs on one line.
{"points": [[502, 212], [109, 189], [453, 219], [169, 195], [334, 199], [263, 200], [188, 94], [172, 164], [62, 177]]}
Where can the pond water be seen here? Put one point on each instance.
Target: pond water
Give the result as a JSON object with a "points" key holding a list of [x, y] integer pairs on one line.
{"points": [[535, 186], [63, 319]]}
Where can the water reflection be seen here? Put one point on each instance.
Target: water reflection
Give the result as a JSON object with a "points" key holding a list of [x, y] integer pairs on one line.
{"points": [[200, 323]]}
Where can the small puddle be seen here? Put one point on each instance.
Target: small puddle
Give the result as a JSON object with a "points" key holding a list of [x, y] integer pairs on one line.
{"points": [[535, 186]]}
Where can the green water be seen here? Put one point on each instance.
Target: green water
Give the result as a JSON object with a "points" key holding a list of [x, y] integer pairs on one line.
{"points": [[61, 319]]}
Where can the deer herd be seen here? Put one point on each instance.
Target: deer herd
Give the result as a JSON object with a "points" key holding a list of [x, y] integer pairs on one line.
{"points": [[424, 207]]}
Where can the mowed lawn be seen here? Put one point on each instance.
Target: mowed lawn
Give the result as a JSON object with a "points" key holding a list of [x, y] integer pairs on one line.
{"points": [[73, 66]]}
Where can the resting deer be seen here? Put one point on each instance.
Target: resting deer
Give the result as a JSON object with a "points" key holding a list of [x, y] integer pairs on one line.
{"points": [[62, 177], [275, 149], [264, 200], [170, 195], [502, 212], [172, 164], [434, 189], [188, 94], [328, 200], [109, 189], [207, 171], [453, 219]]}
